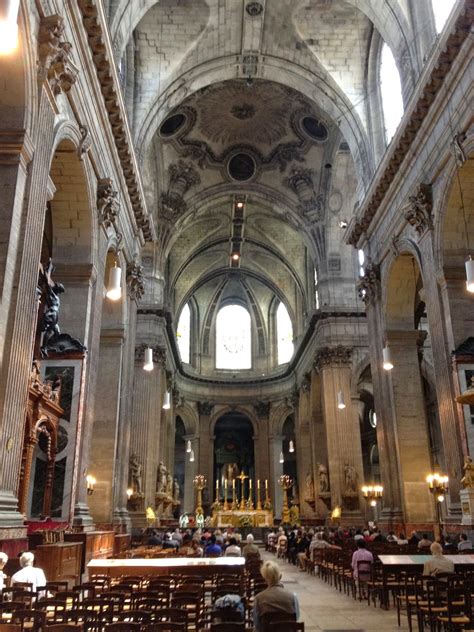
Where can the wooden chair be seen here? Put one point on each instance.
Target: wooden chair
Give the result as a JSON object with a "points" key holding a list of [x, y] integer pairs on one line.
{"points": [[134, 616], [166, 626], [63, 627], [54, 609], [34, 617], [57, 586], [287, 626], [458, 613], [275, 617], [175, 615], [123, 626]]}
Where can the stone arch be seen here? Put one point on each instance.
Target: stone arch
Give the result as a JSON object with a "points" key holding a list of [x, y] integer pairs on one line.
{"points": [[278, 416], [189, 417], [400, 286], [360, 367], [243, 409]]}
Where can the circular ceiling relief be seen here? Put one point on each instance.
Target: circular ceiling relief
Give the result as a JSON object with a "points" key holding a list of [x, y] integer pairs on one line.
{"points": [[172, 124], [241, 167], [314, 128]]}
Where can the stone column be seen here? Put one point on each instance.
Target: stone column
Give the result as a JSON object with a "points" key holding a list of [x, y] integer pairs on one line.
{"points": [[303, 445], [318, 442], [442, 341], [148, 389], [276, 495], [206, 449], [190, 471], [261, 451], [342, 430], [103, 457], [410, 423], [22, 209]]}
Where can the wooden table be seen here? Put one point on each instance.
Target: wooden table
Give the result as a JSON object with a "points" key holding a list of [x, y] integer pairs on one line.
{"points": [[202, 566], [394, 563]]}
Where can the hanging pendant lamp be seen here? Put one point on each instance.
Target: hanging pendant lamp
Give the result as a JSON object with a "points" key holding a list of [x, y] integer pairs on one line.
{"points": [[387, 359], [282, 460], [114, 288], [148, 363], [292, 446], [167, 402], [340, 400], [188, 447]]}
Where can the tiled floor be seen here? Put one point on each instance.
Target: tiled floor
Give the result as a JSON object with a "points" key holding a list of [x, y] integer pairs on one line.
{"points": [[325, 609]]}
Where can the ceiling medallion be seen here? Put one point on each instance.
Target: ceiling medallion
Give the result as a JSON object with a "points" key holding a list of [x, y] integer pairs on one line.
{"points": [[254, 9], [243, 111]]}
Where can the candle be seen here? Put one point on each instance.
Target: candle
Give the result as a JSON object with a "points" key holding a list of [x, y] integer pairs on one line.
{"points": [[250, 483], [266, 483], [258, 483], [233, 483], [217, 486]]}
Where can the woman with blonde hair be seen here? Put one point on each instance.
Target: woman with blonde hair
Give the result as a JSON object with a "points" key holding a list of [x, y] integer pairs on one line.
{"points": [[274, 599]]}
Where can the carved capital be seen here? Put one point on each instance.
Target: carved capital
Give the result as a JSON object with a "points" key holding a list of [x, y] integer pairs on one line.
{"points": [[135, 282], [85, 142], [333, 356], [205, 408], [262, 409], [178, 399], [56, 65], [369, 286], [418, 210], [292, 400], [306, 383]]}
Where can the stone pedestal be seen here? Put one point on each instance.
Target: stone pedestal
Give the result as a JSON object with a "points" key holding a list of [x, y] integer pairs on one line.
{"points": [[467, 506]]}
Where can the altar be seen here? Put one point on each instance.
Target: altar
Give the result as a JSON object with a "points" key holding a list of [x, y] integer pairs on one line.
{"points": [[245, 518]]}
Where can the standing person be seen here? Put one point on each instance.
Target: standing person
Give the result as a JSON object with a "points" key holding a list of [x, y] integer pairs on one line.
{"points": [[28, 573], [275, 598], [3, 561]]}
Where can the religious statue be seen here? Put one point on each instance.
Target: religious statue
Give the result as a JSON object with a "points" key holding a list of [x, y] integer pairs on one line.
{"points": [[169, 484], [467, 480], [323, 479], [295, 515], [176, 490], [350, 479], [162, 478], [49, 320], [309, 487], [231, 471], [136, 474]]}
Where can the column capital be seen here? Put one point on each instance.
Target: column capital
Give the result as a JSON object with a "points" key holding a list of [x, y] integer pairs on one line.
{"points": [[332, 356], [369, 286], [262, 408], [205, 408]]}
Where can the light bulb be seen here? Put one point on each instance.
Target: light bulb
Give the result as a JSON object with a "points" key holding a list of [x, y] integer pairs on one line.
{"points": [[387, 359], [188, 446], [148, 363], [114, 289], [340, 400], [470, 275], [291, 447], [282, 460], [9, 28], [167, 402], [191, 456], [129, 493]]}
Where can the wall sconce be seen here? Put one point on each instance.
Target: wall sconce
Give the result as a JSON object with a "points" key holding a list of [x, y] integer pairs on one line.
{"points": [[167, 401], [114, 288], [129, 493], [148, 363], [91, 481]]}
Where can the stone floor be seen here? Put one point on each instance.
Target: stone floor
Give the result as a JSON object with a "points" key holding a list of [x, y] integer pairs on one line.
{"points": [[323, 608]]}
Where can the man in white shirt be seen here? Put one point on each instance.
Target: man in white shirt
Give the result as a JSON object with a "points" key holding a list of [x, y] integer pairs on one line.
{"points": [[3, 561], [28, 573]]}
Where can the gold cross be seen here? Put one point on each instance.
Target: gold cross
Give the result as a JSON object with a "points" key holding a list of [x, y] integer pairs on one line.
{"points": [[242, 477]]}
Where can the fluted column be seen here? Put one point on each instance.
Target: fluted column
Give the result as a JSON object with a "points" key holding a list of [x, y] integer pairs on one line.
{"points": [[342, 430], [261, 451], [206, 448], [411, 426], [190, 471], [275, 446], [318, 443], [303, 445]]}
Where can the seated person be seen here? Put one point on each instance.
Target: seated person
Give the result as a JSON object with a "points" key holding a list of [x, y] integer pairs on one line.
{"points": [[3, 561], [402, 539], [438, 563], [250, 550], [464, 544], [213, 549], [361, 555], [424, 543], [28, 573], [169, 543], [154, 539], [233, 550], [198, 551], [275, 598]]}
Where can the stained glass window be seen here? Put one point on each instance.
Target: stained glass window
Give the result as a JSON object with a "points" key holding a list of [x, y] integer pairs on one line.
{"points": [[233, 338]]}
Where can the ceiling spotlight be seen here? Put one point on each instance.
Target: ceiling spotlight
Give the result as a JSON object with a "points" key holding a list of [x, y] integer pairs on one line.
{"points": [[235, 256], [343, 223], [240, 205]]}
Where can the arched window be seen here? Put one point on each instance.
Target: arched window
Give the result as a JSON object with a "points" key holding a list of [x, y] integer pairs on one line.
{"points": [[361, 259], [316, 288], [391, 92], [233, 338], [183, 334], [285, 345], [441, 11]]}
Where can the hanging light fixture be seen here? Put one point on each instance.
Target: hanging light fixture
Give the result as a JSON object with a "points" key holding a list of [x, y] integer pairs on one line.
{"points": [[470, 275], [114, 288], [167, 402], [340, 400], [292, 446], [188, 446], [8, 26], [387, 359], [148, 363], [282, 460], [191, 457]]}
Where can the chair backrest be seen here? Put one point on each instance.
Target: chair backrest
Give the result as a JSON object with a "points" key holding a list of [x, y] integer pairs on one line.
{"points": [[123, 626], [275, 617], [135, 616], [178, 615], [286, 626], [166, 626], [63, 627], [227, 627], [36, 617]]}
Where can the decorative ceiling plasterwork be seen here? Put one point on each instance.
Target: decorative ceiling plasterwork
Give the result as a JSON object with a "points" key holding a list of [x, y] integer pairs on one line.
{"points": [[263, 119]]}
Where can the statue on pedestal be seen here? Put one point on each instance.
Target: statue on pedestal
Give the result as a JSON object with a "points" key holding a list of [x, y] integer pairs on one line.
{"points": [[309, 487], [176, 491], [323, 479], [467, 480], [136, 474], [162, 478], [350, 479], [169, 485]]}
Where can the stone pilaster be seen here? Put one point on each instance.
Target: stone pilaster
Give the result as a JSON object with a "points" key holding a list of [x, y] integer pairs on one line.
{"points": [[303, 446], [318, 443], [190, 471], [275, 445], [261, 452], [206, 446], [411, 427], [342, 430]]}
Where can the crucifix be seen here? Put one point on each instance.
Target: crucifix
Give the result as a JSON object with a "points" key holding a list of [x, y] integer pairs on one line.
{"points": [[242, 478]]}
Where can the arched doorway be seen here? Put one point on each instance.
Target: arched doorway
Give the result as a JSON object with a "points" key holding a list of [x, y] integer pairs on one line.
{"points": [[233, 451]]}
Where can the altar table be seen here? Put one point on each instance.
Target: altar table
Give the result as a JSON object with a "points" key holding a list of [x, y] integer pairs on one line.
{"points": [[237, 518], [202, 566]]}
